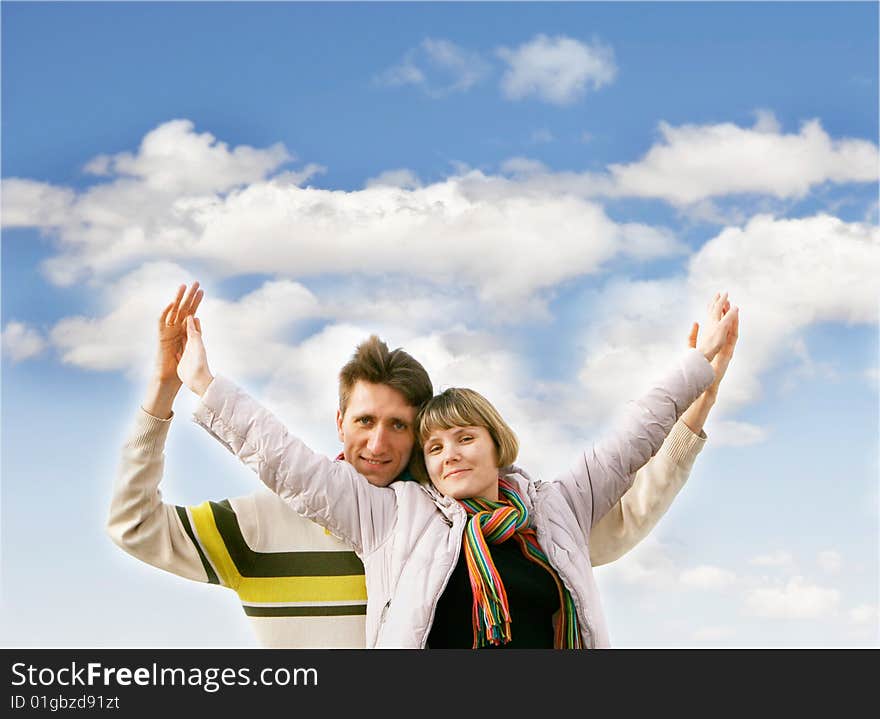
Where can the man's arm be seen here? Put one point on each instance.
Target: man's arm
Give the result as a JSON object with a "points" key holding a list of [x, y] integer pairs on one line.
{"points": [[139, 521], [655, 487]]}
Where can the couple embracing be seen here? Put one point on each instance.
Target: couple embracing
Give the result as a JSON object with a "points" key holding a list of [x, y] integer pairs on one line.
{"points": [[423, 532]]}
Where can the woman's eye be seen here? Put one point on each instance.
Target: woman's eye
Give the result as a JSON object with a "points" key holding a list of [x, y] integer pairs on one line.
{"points": [[433, 449], [466, 438]]}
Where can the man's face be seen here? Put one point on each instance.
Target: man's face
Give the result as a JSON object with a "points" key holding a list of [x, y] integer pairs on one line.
{"points": [[376, 432]]}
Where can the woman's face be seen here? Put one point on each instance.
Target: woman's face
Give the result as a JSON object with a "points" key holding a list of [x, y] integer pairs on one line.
{"points": [[462, 462]]}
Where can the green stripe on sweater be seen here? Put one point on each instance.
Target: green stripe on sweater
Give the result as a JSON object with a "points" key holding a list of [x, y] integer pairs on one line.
{"points": [[335, 610], [278, 564], [209, 570]]}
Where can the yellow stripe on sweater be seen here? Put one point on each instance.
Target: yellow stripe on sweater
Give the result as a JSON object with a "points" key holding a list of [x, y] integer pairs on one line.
{"points": [[345, 588]]}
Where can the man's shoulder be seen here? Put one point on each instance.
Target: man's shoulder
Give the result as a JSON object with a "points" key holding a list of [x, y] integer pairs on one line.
{"points": [[275, 527]]}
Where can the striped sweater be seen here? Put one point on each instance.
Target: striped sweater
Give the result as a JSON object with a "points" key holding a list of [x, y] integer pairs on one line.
{"points": [[299, 586]]}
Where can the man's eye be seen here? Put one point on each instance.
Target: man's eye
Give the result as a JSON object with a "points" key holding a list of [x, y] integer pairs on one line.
{"points": [[400, 425], [363, 420]]}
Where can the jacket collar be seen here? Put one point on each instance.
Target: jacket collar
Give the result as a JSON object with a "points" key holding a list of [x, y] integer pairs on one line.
{"points": [[518, 477]]}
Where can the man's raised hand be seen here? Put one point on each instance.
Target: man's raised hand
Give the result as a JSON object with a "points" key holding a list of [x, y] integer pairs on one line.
{"points": [[172, 333]]}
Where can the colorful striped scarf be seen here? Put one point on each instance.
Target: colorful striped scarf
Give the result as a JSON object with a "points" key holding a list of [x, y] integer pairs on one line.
{"points": [[492, 523]]}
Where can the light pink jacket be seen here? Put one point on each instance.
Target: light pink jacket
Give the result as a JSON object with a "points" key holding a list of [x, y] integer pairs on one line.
{"points": [[409, 536]]}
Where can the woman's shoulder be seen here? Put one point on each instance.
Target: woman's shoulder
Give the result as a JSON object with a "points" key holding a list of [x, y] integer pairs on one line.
{"points": [[416, 492], [518, 476]]}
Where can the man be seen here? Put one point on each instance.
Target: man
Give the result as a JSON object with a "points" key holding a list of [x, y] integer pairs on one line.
{"points": [[300, 586]]}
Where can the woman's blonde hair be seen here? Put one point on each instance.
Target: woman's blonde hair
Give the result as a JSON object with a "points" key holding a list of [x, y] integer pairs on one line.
{"points": [[462, 407]]}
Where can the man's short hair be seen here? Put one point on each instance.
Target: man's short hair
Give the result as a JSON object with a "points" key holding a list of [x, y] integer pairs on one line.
{"points": [[373, 362]]}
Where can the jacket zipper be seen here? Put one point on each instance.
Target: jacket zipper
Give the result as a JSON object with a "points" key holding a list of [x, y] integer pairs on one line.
{"points": [[445, 582], [384, 613]]}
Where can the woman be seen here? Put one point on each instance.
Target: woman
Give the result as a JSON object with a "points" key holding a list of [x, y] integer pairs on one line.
{"points": [[410, 536]]}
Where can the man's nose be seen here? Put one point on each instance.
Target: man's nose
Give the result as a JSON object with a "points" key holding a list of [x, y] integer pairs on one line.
{"points": [[378, 440]]}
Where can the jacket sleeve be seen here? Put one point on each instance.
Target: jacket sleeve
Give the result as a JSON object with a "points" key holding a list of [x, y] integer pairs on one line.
{"points": [[607, 469], [139, 521], [330, 493], [646, 501]]}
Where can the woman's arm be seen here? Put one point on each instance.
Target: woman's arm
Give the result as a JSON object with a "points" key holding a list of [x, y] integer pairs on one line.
{"points": [[326, 491], [607, 469], [658, 483]]}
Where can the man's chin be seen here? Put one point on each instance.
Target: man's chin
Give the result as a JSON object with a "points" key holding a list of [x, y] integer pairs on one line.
{"points": [[377, 478]]}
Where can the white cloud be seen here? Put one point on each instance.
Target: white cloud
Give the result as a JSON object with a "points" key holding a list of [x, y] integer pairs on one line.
{"points": [[558, 70], [124, 338], [531, 236], [865, 614], [707, 577], [464, 253], [438, 66], [150, 209], [716, 633], [650, 564], [794, 600], [22, 342], [865, 622], [776, 271], [401, 178], [27, 203], [245, 337], [176, 160], [527, 241], [765, 121], [695, 162], [830, 561], [779, 558], [404, 73], [727, 433], [522, 167]]}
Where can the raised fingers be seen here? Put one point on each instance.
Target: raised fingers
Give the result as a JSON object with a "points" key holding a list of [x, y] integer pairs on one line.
{"points": [[197, 301], [719, 306], [172, 314], [182, 309], [712, 302], [165, 313], [692, 339]]}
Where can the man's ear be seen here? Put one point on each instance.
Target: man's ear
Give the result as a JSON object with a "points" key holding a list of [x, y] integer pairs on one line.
{"points": [[339, 426]]}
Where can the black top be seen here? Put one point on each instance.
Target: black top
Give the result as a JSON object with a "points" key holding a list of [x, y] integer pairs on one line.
{"points": [[531, 595]]}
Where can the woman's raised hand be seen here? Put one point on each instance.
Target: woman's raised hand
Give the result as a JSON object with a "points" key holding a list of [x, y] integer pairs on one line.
{"points": [[721, 328], [721, 360], [172, 333], [193, 366]]}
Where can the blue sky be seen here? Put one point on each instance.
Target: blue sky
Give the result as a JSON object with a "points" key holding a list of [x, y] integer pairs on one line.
{"points": [[535, 199]]}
